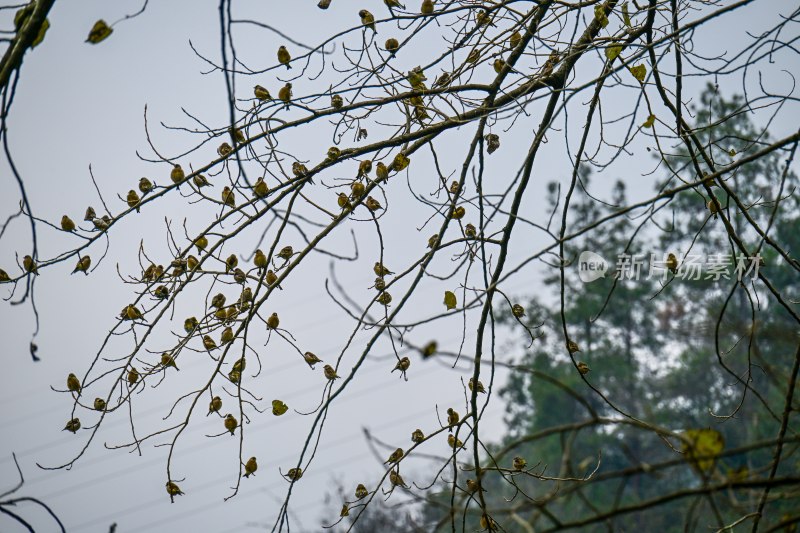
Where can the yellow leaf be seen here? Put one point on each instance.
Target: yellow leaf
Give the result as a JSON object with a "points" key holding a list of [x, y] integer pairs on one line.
{"points": [[639, 72], [626, 18], [40, 35], [649, 122], [450, 300], [278, 407], [22, 16], [703, 447], [100, 32], [612, 52], [600, 15]]}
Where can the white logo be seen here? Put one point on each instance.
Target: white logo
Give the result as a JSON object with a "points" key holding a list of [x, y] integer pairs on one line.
{"points": [[591, 266]]}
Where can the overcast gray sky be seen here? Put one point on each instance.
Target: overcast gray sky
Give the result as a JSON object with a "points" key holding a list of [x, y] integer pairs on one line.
{"points": [[77, 105]]}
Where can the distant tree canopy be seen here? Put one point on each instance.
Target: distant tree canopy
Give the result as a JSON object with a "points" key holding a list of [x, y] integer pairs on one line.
{"points": [[639, 401]]}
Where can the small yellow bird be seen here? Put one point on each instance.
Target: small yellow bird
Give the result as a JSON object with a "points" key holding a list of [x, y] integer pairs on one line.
{"points": [[380, 283], [201, 181], [483, 18], [487, 522], [246, 296], [67, 224], [168, 360], [145, 185], [517, 310], [260, 260], [260, 189], [285, 94], [99, 404], [416, 78], [270, 278], [133, 376], [499, 64], [221, 314], [311, 359], [284, 57], [231, 423], [90, 214], [231, 262], [4, 277], [470, 232], [173, 489], [392, 45], [357, 190], [395, 456], [133, 200], [672, 263], [227, 335], [337, 102], [235, 376], [417, 436], [400, 162], [393, 3], [224, 149], [73, 383], [519, 463], [373, 204], [364, 168], [29, 265], [190, 324], [261, 93], [452, 417], [177, 175], [367, 20], [454, 442], [345, 510], [572, 347], [132, 313], [250, 467], [361, 491], [73, 425], [402, 365], [273, 321], [218, 300], [215, 405], [381, 171], [286, 252], [458, 213], [480, 387], [192, 262], [343, 201], [240, 364], [433, 241], [515, 39], [83, 265], [334, 153], [384, 298], [330, 373], [381, 270], [427, 7], [299, 169], [583, 368], [396, 479], [472, 486], [208, 343], [294, 473], [228, 197], [201, 242], [473, 56]]}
